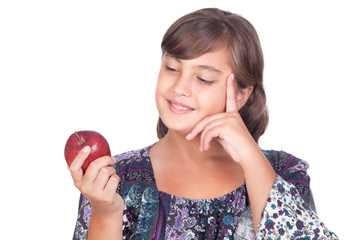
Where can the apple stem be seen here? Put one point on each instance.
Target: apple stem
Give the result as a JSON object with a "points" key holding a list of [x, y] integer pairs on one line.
{"points": [[77, 135]]}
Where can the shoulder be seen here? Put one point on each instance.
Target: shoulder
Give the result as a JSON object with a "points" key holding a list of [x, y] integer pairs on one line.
{"points": [[139, 158], [293, 170], [134, 167], [285, 163]]}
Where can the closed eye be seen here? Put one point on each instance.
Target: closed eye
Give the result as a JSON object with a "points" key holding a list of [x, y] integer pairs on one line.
{"points": [[205, 81], [170, 69]]}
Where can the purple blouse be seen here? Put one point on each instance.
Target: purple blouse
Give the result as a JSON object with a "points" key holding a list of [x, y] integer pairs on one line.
{"points": [[151, 214]]}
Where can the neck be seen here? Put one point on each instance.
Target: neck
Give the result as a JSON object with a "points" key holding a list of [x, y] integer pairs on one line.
{"points": [[189, 150]]}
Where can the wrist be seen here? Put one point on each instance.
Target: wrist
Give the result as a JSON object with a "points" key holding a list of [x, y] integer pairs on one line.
{"points": [[249, 156], [105, 225], [107, 212], [258, 167], [114, 210], [102, 218]]}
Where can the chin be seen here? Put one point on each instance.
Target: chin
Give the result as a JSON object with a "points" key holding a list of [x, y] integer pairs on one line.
{"points": [[178, 128]]}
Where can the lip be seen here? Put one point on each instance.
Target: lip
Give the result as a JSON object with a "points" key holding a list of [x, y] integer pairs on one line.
{"points": [[178, 107]]}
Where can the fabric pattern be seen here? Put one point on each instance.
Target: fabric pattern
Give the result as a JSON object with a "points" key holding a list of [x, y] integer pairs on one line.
{"points": [[152, 214], [214, 218], [287, 216]]}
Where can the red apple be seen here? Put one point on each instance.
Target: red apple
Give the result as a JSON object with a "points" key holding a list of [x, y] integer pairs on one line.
{"points": [[78, 140]]}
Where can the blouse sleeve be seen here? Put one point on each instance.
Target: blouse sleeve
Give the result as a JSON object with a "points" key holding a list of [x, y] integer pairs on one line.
{"points": [[294, 171], [290, 211], [286, 215], [83, 219]]}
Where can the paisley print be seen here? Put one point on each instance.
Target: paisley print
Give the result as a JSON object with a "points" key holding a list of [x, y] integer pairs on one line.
{"points": [[151, 214]]}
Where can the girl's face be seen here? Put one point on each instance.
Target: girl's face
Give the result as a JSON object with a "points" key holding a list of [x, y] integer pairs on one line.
{"points": [[189, 90]]}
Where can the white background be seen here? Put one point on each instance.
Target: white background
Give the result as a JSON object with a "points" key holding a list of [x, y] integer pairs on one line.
{"points": [[76, 65]]}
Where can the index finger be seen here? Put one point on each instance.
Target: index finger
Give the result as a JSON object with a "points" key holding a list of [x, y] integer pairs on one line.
{"points": [[231, 105]]}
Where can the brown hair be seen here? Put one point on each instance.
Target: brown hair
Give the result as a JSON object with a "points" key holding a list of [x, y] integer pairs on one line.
{"points": [[212, 29]]}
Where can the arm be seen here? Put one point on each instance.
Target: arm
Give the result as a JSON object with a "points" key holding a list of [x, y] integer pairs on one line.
{"points": [[104, 226], [101, 207], [289, 211], [231, 132], [90, 225], [259, 177]]}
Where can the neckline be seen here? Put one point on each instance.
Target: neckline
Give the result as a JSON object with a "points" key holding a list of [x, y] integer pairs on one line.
{"points": [[241, 188]]}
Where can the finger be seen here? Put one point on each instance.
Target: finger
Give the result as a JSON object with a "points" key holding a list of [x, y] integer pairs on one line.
{"points": [[205, 143], [231, 94], [208, 137], [75, 167], [94, 168], [103, 177], [112, 185], [201, 125]]}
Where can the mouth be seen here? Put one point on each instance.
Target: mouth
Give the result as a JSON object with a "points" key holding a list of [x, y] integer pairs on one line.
{"points": [[178, 107]]}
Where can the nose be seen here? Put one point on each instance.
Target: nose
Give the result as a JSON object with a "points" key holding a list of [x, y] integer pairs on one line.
{"points": [[182, 86]]}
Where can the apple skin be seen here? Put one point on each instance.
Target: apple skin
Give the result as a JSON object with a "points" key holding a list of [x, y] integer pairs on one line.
{"points": [[78, 140]]}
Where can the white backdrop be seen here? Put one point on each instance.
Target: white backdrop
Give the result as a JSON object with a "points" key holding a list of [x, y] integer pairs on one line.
{"points": [[76, 65]]}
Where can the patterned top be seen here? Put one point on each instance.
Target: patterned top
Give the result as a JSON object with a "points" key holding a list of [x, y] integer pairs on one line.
{"points": [[151, 214]]}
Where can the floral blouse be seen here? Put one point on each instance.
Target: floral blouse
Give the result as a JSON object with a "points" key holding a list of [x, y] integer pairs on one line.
{"points": [[151, 214]]}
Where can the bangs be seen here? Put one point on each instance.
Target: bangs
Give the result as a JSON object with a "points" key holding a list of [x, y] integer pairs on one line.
{"points": [[191, 39]]}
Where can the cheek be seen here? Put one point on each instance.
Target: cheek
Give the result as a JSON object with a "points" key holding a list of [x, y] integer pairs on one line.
{"points": [[215, 102], [159, 85], [158, 93], [163, 82], [161, 91]]}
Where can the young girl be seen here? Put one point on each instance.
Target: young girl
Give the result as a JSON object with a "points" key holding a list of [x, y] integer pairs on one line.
{"points": [[206, 178]]}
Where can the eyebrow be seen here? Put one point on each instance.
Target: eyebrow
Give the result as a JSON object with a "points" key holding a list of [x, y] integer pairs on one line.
{"points": [[205, 67], [209, 68]]}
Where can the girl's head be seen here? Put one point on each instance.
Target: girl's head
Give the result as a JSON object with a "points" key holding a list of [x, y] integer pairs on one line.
{"points": [[209, 30]]}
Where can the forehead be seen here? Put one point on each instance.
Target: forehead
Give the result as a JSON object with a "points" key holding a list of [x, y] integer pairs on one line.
{"points": [[216, 61]]}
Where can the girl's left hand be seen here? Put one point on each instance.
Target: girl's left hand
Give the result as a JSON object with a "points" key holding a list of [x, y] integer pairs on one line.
{"points": [[227, 128], [231, 132]]}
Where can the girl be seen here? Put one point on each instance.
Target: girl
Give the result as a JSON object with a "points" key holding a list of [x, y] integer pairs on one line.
{"points": [[206, 178]]}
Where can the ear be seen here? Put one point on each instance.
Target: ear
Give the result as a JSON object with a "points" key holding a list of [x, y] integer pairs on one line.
{"points": [[242, 95]]}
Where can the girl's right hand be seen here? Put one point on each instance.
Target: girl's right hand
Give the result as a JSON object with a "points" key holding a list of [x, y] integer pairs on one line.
{"points": [[98, 184]]}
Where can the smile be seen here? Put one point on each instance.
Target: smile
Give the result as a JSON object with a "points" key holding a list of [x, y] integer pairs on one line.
{"points": [[179, 108]]}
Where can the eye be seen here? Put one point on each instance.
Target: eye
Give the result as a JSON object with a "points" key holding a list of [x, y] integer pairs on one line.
{"points": [[205, 81], [170, 69]]}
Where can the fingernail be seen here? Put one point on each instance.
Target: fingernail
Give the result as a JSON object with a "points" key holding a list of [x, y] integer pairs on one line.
{"points": [[188, 136], [86, 149]]}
